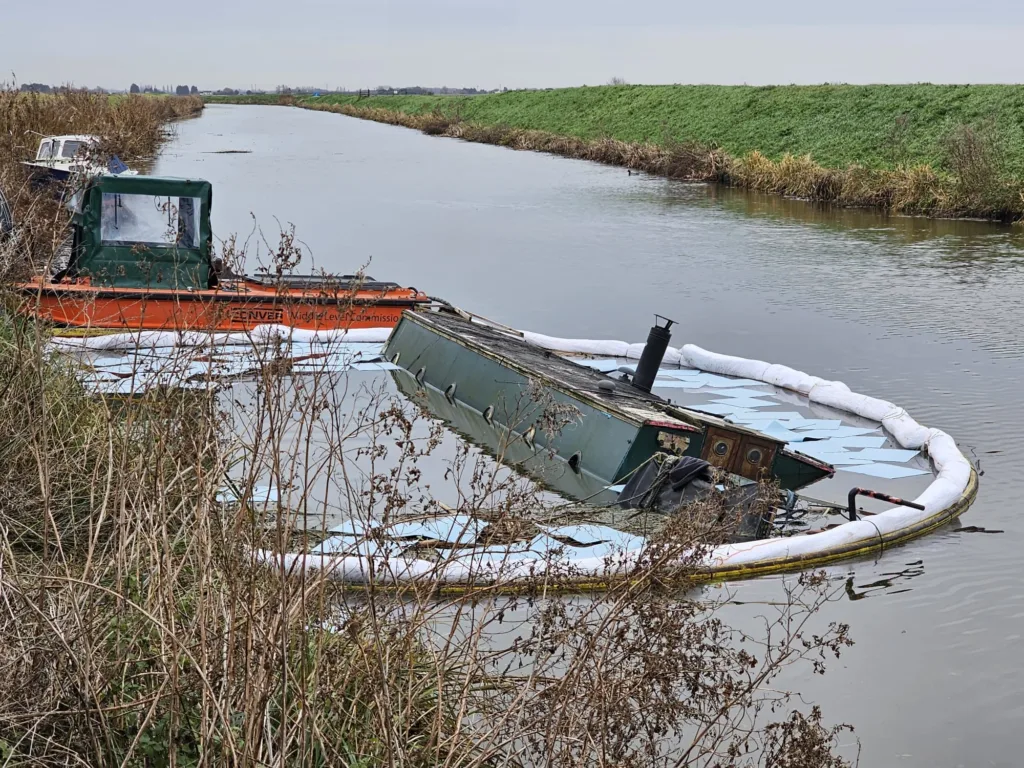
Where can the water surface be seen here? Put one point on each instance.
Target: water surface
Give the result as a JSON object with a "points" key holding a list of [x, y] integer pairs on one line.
{"points": [[924, 313]]}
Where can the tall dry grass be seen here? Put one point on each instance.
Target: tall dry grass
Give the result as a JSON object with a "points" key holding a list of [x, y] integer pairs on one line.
{"points": [[146, 620], [131, 127], [971, 186], [149, 614]]}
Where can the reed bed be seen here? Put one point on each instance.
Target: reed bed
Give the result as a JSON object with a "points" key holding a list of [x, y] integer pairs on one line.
{"points": [[131, 127]]}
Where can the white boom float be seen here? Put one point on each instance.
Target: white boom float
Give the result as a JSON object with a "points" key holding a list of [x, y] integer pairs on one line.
{"points": [[950, 493]]}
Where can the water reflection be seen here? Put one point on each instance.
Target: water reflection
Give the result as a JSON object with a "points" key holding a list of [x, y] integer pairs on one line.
{"points": [[923, 313], [863, 222], [953, 241], [885, 584]]}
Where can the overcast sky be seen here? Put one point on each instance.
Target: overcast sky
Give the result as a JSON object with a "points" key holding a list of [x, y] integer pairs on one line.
{"points": [[515, 43]]}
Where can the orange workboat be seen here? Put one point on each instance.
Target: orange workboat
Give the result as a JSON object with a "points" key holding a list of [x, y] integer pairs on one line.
{"points": [[234, 305], [140, 259]]}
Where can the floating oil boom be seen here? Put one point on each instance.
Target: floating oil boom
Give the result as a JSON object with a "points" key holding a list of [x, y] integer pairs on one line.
{"points": [[437, 350]]}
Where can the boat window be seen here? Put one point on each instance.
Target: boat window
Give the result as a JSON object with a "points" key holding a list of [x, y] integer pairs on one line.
{"points": [[70, 148], [44, 151], [150, 220]]}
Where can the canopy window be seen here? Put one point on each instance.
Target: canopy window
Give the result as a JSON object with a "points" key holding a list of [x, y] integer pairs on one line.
{"points": [[150, 220]]}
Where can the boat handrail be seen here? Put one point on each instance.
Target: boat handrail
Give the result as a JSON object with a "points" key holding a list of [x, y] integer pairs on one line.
{"points": [[475, 318]]}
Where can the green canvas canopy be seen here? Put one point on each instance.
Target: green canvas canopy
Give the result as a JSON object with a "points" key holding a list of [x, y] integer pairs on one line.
{"points": [[143, 231]]}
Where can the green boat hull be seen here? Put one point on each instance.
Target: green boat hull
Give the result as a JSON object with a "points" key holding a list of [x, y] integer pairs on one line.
{"points": [[605, 429], [505, 446]]}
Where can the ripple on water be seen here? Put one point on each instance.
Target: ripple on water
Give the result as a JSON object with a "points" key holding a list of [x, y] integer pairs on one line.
{"points": [[923, 313]]}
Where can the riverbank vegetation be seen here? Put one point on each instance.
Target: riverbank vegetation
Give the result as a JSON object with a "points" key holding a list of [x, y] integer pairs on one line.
{"points": [[131, 127], [143, 624], [935, 150], [147, 617]]}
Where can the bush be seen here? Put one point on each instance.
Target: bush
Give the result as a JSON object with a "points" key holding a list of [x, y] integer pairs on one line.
{"points": [[144, 622]]}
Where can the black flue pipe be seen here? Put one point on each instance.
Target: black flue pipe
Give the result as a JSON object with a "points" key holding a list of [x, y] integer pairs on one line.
{"points": [[654, 353]]}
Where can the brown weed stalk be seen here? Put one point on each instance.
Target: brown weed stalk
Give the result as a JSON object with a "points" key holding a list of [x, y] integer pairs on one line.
{"points": [[140, 625]]}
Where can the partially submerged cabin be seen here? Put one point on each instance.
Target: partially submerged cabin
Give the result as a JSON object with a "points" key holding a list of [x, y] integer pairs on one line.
{"points": [[618, 426]]}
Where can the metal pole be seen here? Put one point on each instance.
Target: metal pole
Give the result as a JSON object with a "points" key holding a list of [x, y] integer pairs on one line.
{"points": [[855, 492]]}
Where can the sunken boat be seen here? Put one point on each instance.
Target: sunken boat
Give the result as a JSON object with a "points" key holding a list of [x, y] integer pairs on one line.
{"points": [[142, 259], [618, 424], [505, 446]]}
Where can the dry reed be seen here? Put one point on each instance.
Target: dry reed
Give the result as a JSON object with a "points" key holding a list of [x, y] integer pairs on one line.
{"points": [[131, 127]]}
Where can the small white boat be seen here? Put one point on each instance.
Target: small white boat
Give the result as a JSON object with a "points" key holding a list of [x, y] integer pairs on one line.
{"points": [[60, 157]]}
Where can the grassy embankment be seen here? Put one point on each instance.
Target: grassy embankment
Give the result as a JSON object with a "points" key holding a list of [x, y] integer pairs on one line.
{"points": [[936, 150], [138, 626]]}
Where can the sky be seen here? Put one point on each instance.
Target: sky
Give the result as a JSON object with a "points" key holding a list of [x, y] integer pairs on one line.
{"points": [[515, 44]]}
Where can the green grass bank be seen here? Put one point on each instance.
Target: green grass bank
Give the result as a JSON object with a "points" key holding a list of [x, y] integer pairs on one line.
{"points": [[939, 150]]}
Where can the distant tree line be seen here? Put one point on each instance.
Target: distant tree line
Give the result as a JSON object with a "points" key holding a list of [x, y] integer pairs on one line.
{"points": [[380, 90], [44, 88], [180, 90], [419, 90], [186, 90]]}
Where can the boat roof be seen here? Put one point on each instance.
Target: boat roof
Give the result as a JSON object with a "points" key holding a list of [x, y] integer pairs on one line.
{"points": [[536, 362], [152, 185], [71, 137]]}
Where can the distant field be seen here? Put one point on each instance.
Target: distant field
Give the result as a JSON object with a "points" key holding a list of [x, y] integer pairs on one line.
{"points": [[258, 98]]}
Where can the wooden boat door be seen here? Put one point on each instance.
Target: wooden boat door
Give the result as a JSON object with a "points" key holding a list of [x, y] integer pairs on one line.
{"points": [[746, 455]]}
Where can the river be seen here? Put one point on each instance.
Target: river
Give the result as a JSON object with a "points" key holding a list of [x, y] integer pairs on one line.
{"points": [[924, 313]]}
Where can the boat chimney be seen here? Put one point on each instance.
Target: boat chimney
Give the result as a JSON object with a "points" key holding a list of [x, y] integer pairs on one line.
{"points": [[654, 353]]}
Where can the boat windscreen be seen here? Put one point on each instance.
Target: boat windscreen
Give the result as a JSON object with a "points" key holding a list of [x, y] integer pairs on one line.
{"points": [[71, 148], [150, 220]]}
